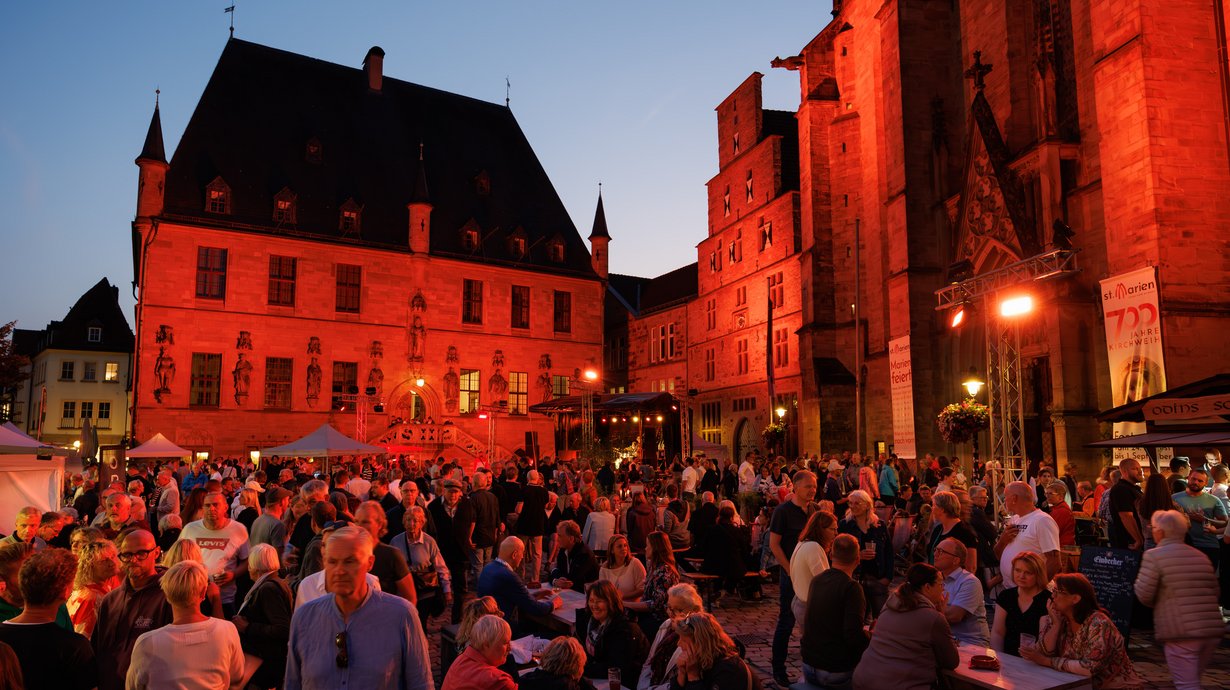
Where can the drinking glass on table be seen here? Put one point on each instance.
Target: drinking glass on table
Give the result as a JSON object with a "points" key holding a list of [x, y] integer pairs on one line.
{"points": [[1028, 641], [613, 677]]}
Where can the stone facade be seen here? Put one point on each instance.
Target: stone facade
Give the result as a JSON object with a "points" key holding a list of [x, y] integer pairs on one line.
{"points": [[1090, 114], [446, 330]]}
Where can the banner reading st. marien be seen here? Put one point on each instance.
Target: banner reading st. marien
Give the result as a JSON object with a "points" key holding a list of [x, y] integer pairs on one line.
{"points": [[901, 385], [1133, 346]]}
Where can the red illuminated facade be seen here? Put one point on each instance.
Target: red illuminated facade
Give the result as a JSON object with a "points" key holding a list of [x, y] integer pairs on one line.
{"points": [[322, 230], [1109, 117]]}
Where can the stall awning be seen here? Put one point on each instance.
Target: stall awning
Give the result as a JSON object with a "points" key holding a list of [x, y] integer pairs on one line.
{"points": [[1159, 439], [623, 402], [1160, 406]]}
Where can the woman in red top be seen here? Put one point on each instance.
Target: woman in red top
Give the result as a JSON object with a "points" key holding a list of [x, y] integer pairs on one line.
{"points": [[98, 572], [478, 667]]}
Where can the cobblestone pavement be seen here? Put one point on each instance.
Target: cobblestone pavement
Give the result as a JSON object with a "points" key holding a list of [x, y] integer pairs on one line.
{"points": [[753, 622]]}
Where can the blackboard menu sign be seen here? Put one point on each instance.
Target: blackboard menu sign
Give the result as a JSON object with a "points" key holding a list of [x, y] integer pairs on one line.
{"points": [[1112, 572]]}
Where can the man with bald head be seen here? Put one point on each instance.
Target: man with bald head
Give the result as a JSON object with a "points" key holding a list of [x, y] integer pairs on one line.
{"points": [[136, 607], [1124, 527], [500, 580], [1029, 529], [357, 637], [965, 607]]}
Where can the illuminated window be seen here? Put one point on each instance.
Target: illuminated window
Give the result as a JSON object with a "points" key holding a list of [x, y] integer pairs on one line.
{"points": [[520, 317], [218, 197], [349, 288], [559, 386], [111, 372], [711, 422], [282, 281], [211, 273], [518, 392], [469, 383], [206, 385], [278, 373]]}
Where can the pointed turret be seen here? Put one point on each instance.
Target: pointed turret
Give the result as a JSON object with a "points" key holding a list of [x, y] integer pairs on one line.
{"points": [[152, 163], [420, 208], [598, 239]]}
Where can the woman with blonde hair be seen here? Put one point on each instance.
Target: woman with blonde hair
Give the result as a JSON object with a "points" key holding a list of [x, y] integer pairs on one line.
{"points": [[98, 572], [599, 526], [561, 668], [159, 659], [810, 558], [682, 599], [875, 570], [82, 536], [249, 507], [1019, 610], [708, 658], [622, 569], [473, 610], [187, 550]]}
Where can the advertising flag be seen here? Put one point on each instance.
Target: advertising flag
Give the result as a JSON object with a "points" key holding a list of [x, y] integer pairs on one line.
{"points": [[1133, 348]]}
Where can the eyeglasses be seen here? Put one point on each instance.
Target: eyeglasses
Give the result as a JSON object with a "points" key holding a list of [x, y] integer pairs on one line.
{"points": [[947, 553], [343, 655], [136, 555]]}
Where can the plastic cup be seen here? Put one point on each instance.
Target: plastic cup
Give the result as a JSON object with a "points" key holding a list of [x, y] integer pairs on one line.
{"points": [[614, 678]]}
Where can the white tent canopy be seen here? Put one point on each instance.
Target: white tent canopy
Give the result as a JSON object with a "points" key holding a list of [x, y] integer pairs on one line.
{"points": [[158, 447], [14, 442], [712, 450], [25, 479], [323, 442]]}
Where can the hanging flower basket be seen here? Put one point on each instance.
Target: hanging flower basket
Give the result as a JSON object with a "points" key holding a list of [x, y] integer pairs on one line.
{"points": [[959, 422], [773, 433]]}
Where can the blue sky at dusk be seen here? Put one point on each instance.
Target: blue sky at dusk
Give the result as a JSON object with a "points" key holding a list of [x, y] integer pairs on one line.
{"points": [[621, 92]]}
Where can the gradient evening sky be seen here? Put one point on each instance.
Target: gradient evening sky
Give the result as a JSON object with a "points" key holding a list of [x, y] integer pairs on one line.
{"points": [[621, 92]]}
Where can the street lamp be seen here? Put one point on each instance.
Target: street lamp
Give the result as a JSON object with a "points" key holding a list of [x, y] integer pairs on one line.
{"points": [[973, 385], [781, 419]]}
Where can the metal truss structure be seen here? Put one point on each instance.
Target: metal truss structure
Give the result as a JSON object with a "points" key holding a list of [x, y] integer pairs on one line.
{"points": [[1003, 341]]}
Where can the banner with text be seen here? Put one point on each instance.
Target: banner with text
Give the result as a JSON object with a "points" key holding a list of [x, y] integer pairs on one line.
{"points": [[1133, 348], [901, 385]]}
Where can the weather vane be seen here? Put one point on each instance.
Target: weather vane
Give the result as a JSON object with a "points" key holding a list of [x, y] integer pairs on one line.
{"points": [[507, 91], [231, 11]]}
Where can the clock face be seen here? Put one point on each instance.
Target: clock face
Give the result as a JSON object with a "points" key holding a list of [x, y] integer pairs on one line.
{"points": [[741, 320]]}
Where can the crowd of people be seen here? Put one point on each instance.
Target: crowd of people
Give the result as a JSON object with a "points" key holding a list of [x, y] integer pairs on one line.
{"points": [[226, 575]]}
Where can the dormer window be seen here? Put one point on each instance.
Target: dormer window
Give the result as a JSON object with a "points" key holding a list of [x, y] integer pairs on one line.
{"points": [[93, 334], [469, 236], [555, 250], [284, 207], [218, 197], [482, 184], [351, 218], [516, 246], [312, 150]]}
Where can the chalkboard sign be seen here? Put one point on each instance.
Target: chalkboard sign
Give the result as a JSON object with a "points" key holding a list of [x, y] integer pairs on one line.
{"points": [[1112, 572]]}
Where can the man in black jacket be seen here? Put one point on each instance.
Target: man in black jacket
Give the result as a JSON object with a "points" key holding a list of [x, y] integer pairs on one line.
{"points": [[454, 518], [575, 565], [703, 518], [833, 636]]}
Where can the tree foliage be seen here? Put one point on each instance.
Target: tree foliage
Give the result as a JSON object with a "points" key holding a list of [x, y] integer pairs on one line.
{"points": [[12, 368]]}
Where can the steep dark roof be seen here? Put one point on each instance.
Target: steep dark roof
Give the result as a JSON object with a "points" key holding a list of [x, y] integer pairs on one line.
{"points": [[599, 222], [153, 149], [99, 306], [25, 341], [627, 289], [261, 108], [670, 289]]}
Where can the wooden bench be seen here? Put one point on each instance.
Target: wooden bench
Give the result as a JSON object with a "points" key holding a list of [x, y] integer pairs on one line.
{"points": [[707, 585]]}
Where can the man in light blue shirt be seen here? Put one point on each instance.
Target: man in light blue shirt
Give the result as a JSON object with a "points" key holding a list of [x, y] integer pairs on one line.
{"points": [[1205, 511], [966, 609], [357, 638]]}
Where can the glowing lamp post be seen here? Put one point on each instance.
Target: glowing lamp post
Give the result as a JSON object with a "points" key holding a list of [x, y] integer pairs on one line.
{"points": [[972, 384]]}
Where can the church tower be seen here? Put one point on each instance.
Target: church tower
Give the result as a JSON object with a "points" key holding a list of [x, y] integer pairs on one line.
{"points": [[598, 240]]}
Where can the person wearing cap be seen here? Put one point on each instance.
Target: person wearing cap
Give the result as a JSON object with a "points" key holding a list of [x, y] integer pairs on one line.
{"points": [[454, 518], [270, 527], [248, 504]]}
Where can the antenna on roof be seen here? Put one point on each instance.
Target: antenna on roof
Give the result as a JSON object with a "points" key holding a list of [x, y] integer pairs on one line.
{"points": [[507, 91], [231, 11], [599, 187], [157, 93]]}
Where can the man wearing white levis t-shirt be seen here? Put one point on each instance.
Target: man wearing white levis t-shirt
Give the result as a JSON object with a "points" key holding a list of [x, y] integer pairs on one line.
{"points": [[224, 547], [1029, 529]]}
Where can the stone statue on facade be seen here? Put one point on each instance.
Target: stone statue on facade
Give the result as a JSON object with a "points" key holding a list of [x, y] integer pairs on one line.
{"points": [[244, 341], [164, 373], [242, 376], [313, 345], [418, 339], [452, 390], [375, 379], [313, 382]]}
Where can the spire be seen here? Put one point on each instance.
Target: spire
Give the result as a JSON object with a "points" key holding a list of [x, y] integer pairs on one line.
{"points": [[153, 149], [599, 219], [419, 195]]}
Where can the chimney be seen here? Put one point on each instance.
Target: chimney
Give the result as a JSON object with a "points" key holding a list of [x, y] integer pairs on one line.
{"points": [[373, 66]]}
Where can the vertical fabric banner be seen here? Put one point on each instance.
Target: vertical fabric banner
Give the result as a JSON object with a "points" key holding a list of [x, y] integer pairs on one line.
{"points": [[901, 385], [1133, 347]]}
